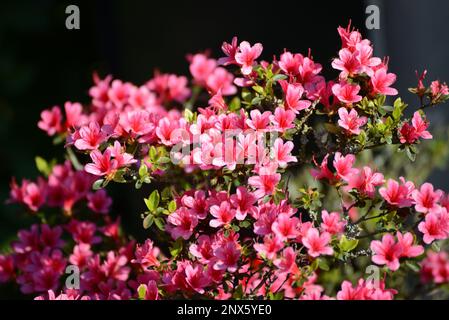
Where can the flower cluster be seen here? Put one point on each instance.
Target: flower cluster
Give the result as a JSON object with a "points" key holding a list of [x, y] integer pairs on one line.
{"points": [[228, 220]]}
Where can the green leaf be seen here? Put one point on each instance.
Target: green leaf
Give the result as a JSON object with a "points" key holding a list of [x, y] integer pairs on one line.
{"points": [[322, 264], [278, 77], [413, 266], [142, 291], [148, 221], [245, 224], [410, 153], [172, 206], [436, 246], [153, 153], [159, 222], [259, 90], [176, 249], [153, 201], [42, 165], [347, 245], [97, 185], [143, 170]]}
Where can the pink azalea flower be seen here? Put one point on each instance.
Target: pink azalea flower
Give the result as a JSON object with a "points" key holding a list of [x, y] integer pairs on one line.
{"points": [[365, 181], [435, 267], [247, 55], [364, 52], [348, 62], [282, 152], [351, 121], [386, 252], [265, 184], [287, 262], [270, 246], [182, 222], [81, 255], [283, 119], [146, 255], [201, 67], [420, 126], [316, 243], [426, 199], [115, 266], [290, 63], [293, 94], [435, 226], [438, 89], [259, 121], [90, 137], [119, 92], [197, 202], [169, 87], [136, 123], [202, 249], [221, 81], [34, 194], [405, 241], [381, 82], [73, 114], [102, 164], [332, 222], [99, 201], [346, 92], [83, 232], [223, 215], [51, 121], [398, 195], [229, 49], [228, 257], [285, 227], [243, 202], [343, 165], [197, 278], [122, 158], [323, 172]]}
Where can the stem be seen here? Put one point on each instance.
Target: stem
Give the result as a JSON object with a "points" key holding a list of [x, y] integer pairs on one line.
{"points": [[73, 159]]}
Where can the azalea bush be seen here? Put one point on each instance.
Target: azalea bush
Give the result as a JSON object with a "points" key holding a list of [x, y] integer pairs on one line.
{"points": [[264, 180]]}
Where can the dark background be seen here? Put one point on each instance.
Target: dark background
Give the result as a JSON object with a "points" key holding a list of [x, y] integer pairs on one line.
{"points": [[43, 64]]}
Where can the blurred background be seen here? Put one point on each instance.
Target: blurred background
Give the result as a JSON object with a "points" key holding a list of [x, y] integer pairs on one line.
{"points": [[43, 64]]}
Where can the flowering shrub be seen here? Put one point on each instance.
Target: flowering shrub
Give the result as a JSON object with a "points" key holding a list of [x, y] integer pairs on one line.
{"points": [[223, 150]]}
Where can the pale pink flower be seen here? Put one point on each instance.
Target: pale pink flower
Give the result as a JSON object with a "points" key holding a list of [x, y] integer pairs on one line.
{"points": [[270, 246], [201, 67], [220, 81], [147, 255], [426, 198], [51, 121], [197, 278], [343, 165], [223, 215], [398, 195], [351, 121], [386, 252], [228, 256], [381, 82], [247, 55], [346, 92], [281, 152], [265, 184], [332, 222], [405, 241], [182, 222], [259, 121], [293, 94], [285, 227], [102, 164], [283, 119], [316, 243]]}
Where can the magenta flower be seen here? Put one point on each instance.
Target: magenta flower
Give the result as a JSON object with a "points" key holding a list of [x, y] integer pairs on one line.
{"points": [[102, 164], [147, 255], [182, 222], [228, 256]]}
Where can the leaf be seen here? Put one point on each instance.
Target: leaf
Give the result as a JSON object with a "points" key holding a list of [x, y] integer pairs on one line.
{"points": [[322, 264], [143, 170], [148, 221], [159, 222], [176, 249], [413, 266], [245, 224], [172, 206], [42, 165], [142, 291], [153, 153], [278, 77], [347, 245], [410, 154], [97, 185], [436, 246], [153, 201]]}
